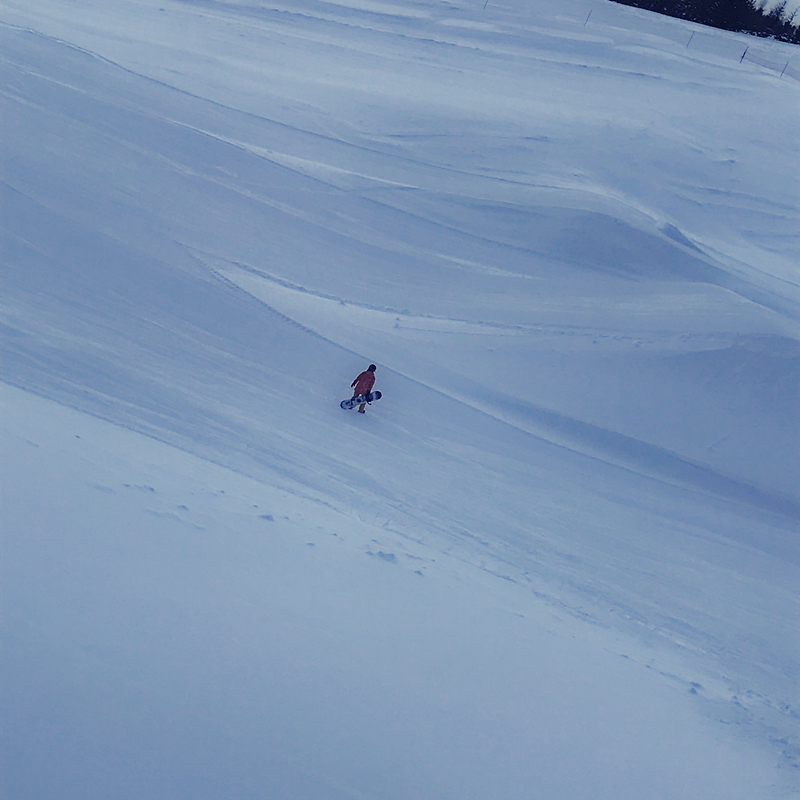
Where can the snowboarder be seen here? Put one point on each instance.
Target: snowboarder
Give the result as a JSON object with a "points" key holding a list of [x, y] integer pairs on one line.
{"points": [[363, 385]]}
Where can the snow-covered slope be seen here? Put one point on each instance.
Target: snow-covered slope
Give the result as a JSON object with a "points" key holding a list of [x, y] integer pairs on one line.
{"points": [[559, 552]]}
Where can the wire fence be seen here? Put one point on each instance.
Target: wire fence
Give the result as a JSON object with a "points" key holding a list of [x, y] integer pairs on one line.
{"points": [[767, 53], [702, 40], [788, 69]]}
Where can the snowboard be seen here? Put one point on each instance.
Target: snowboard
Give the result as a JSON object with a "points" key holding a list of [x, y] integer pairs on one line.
{"points": [[362, 398]]}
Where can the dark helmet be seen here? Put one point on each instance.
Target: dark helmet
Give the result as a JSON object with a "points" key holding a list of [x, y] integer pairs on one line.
{"points": [[371, 368]]}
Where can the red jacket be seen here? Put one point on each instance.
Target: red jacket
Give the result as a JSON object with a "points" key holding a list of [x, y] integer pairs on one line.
{"points": [[364, 382]]}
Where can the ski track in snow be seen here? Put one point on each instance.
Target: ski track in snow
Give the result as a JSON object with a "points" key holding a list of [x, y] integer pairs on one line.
{"points": [[581, 290]]}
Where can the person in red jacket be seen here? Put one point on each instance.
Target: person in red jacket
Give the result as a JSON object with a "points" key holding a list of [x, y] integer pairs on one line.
{"points": [[363, 385]]}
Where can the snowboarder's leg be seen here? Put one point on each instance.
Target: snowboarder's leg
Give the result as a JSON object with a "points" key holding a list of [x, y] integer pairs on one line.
{"points": [[362, 408]]}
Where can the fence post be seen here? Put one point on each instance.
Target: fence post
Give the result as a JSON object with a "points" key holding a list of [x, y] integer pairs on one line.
{"points": [[587, 18], [690, 39], [784, 69], [744, 54]]}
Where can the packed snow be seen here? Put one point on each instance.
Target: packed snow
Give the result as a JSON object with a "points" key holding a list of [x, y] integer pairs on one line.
{"points": [[558, 559]]}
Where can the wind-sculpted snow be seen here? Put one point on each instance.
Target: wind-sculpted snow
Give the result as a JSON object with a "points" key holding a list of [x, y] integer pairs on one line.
{"points": [[559, 557]]}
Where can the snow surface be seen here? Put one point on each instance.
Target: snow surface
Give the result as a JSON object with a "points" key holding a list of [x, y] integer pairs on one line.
{"points": [[558, 559]]}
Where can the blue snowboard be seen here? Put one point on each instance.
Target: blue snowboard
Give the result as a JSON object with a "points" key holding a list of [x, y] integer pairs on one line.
{"points": [[362, 398]]}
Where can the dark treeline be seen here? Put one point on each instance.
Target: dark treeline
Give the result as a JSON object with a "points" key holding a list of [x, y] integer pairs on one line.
{"points": [[746, 16]]}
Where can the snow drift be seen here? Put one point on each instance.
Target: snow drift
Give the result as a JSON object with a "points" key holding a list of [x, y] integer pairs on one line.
{"points": [[559, 558]]}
